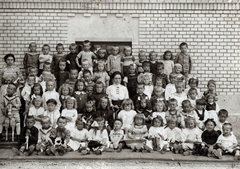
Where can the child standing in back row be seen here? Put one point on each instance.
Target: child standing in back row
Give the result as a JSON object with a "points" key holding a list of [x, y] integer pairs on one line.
{"points": [[44, 57], [114, 61]]}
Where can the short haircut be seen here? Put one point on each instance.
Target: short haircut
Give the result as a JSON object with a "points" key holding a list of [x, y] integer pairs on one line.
{"points": [[227, 124], [118, 120], [186, 102], [188, 119], [223, 112], [159, 64], [73, 45], [201, 102], [46, 45], [127, 48], [183, 44], [150, 53], [32, 43], [140, 84], [30, 118], [192, 89], [86, 41], [172, 75], [211, 82], [115, 47], [58, 45], [141, 52], [86, 72], [172, 100], [13, 84], [193, 80], [53, 101], [46, 119], [210, 120], [172, 120], [63, 118]]}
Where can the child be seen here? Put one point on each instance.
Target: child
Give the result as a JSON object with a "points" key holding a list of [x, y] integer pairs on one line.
{"points": [[180, 76], [114, 61], [64, 92], [102, 55], [60, 137], [148, 87], [158, 94], [45, 57], [44, 142], [188, 111], [89, 111], [99, 91], [227, 143], [99, 135], [127, 114], [85, 66], [31, 58], [51, 94], [158, 135], [190, 135], [160, 110], [46, 75], [173, 134], [37, 111], [86, 54], [80, 95], [192, 96], [138, 131], [153, 61], [70, 113], [168, 62], [179, 95], [52, 112], [193, 84], [73, 73], [222, 118], [170, 88], [209, 138], [160, 74], [57, 57], [173, 113], [79, 137], [145, 109], [201, 112], [146, 72], [211, 85], [104, 110], [10, 107], [61, 75], [141, 57], [212, 107], [184, 59], [28, 138], [71, 57], [33, 71], [36, 91], [101, 74], [130, 80], [128, 59], [87, 76], [116, 135], [140, 95]]}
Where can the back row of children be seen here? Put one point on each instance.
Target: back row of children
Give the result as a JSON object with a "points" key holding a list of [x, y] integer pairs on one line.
{"points": [[82, 92]]}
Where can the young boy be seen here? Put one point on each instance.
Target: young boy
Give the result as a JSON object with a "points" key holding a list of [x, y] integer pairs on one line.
{"points": [[85, 66], [173, 113], [141, 57], [56, 57], [184, 59], [28, 138], [31, 58], [71, 57], [116, 135], [11, 106], [44, 142], [87, 76], [52, 112], [60, 137], [153, 61], [158, 94], [45, 57], [222, 118], [73, 73], [46, 75], [227, 143]]}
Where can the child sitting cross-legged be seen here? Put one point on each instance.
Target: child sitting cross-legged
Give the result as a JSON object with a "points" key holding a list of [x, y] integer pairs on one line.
{"points": [[28, 138], [137, 134], [227, 143]]}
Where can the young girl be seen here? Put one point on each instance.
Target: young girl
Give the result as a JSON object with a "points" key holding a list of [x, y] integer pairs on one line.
{"points": [[114, 61], [190, 135], [57, 56], [137, 133], [168, 62], [52, 112], [98, 136], [73, 73], [51, 94], [170, 88], [98, 92], [148, 86], [160, 109], [192, 96], [37, 111], [116, 135], [64, 92], [130, 80], [70, 112], [128, 59], [153, 61], [158, 135], [80, 95], [209, 138], [127, 114], [102, 55], [158, 94], [61, 75], [79, 137], [101, 74], [193, 84], [173, 134], [211, 85], [104, 110], [212, 107]]}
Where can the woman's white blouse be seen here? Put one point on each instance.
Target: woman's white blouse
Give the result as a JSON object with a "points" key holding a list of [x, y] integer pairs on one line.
{"points": [[117, 92]]}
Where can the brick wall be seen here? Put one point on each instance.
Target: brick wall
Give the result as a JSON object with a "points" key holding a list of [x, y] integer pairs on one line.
{"points": [[210, 27]]}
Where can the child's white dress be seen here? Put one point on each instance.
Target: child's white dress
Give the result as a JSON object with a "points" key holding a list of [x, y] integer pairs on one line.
{"points": [[79, 134], [100, 135], [191, 134], [173, 135], [148, 90], [73, 114], [169, 90], [168, 66], [127, 118], [115, 137], [36, 112], [155, 132], [162, 114]]}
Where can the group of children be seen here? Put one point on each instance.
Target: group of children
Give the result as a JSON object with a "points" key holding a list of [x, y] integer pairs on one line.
{"points": [[66, 108]]}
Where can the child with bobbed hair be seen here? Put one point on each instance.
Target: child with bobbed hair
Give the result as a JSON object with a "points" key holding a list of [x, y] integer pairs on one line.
{"points": [[168, 62], [101, 74], [80, 95]]}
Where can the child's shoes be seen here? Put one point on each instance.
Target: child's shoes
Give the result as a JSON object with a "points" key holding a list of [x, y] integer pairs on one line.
{"points": [[85, 151], [17, 152], [119, 149], [163, 151], [187, 153], [217, 153], [98, 152]]}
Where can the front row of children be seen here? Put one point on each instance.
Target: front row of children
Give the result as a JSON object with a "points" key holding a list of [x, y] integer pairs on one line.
{"points": [[187, 141]]}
